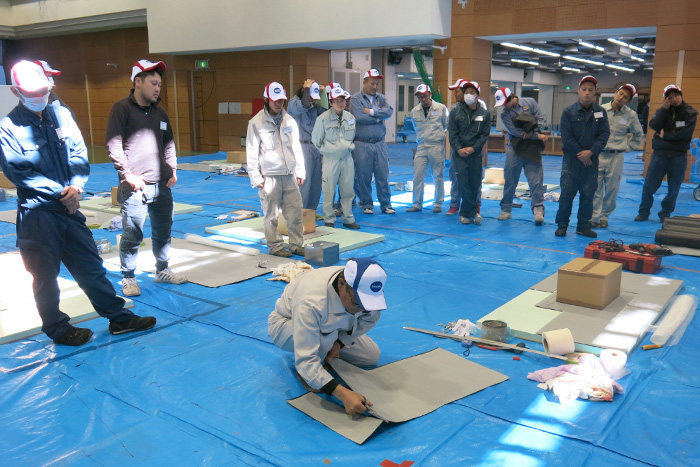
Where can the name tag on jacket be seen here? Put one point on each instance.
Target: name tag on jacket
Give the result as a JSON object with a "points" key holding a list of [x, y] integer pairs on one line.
{"points": [[597, 114], [680, 124], [163, 126], [479, 118], [286, 130]]}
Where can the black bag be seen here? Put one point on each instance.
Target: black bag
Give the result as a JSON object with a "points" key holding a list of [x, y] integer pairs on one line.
{"points": [[530, 149]]}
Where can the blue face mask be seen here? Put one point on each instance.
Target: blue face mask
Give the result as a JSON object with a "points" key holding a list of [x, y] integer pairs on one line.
{"points": [[36, 104]]}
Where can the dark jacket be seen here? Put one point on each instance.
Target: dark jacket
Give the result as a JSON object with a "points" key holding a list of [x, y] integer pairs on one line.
{"points": [[678, 124], [584, 129], [469, 128]]}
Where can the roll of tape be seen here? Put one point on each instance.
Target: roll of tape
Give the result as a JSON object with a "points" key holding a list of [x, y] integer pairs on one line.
{"points": [[614, 362], [558, 341], [494, 330]]}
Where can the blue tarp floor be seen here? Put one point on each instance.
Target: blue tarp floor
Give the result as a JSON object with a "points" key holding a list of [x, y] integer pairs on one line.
{"points": [[207, 387]]}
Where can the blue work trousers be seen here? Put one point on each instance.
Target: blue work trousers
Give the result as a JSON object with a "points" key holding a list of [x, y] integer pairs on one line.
{"points": [[511, 173], [577, 178], [469, 175], [313, 186], [674, 169], [47, 238], [156, 200], [372, 159], [454, 184]]}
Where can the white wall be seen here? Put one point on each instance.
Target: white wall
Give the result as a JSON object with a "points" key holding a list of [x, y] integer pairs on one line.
{"points": [[7, 100]]}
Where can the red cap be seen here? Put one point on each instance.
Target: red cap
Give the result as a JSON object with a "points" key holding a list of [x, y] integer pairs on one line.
{"points": [[373, 73], [146, 65], [590, 79], [473, 84], [672, 87], [630, 87], [422, 89], [47, 68], [501, 95], [458, 84]]}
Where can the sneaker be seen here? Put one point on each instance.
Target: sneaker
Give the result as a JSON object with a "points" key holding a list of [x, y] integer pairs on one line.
{"points": [[539, 215], [137, 323], [298, 250], [587, 232], [437, 209], [130, 287], [413, 209], [368, 211], [169, 277], [282, 253], [330, 224], [353, 226], [75, 337], [389, 211], [477, 219], [452, 211], [641, 218], [504, 216], [603, 223], [560, 232], [465, 220], [595, 225]]}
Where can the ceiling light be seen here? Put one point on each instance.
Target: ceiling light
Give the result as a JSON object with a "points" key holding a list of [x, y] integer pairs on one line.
{"points": [[583, 60], [529, 49], [637, 58], [524, 61], [591, 46], [571, 48], [633, 47], [568, 68], [619, 67]]}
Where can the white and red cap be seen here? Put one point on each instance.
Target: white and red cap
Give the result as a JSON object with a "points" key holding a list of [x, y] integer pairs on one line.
{"points": [[29, 76], [367, 278], [346, 94], [473, 84], [330, 86], [274, 91], [422, 89], [630, 87], [501, 95], [590, 79], [458, 84], [315, 90], [337, 92], [146, 65], [373, 73], [672, 87], [47, 68]]}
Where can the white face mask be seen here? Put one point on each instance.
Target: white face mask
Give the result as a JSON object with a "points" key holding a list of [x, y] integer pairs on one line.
{"points": [[35, 104], [469, 99]]}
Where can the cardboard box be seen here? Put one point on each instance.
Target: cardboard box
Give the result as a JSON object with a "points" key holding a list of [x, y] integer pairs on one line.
{"points": [[308, 219], [114, 196], [322, 254], [589, 282], [494, 176], [5, 182], [236, 156]]}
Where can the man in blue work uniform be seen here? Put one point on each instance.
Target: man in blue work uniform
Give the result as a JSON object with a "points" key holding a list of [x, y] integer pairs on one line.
{"points": [[584, 134], [517, 162], [370, 109], [42, 152], [304, 108], [674, 124]]}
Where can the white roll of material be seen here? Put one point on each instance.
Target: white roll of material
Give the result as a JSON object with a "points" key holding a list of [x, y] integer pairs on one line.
{"points": [[558, 341], [224, 246], [614, 362], [678, 315]]}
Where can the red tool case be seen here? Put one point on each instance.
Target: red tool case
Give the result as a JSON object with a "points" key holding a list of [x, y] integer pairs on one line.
{"points": [[631, 260]]}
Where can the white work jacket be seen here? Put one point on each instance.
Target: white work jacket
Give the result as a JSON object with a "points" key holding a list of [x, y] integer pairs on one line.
{"points": [[430, 129]]}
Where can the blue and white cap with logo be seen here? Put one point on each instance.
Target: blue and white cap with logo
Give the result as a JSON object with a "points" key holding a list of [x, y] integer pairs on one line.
{"points": [[274, 91], [337, 92], [367, 279], [315, 90], [422, 89]]}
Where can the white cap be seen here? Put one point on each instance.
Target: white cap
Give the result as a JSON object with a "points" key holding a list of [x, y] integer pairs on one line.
{"points": [[373, 73], [367, 278], [337, 92], [347, 94], [330, 86], [146, 65], [458, 84], [274, 91], [47, 68], [29, 77], [672, 87], [315, 90], [501, 95], [422, 89], [473, 84], [630, 87]]}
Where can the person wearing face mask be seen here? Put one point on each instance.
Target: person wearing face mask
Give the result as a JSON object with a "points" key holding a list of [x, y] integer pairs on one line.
{"points": [[517, 161], [431, 122], [43, 153], [584, 134], [623, 122], [324, 314], [674, 124], [469, 127]]}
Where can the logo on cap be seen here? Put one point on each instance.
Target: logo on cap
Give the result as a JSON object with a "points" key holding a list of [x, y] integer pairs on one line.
{"points": [[376, 286]]}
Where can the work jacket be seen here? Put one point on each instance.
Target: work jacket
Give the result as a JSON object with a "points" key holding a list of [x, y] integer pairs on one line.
{"points": [[333, 134], [430, 129], [678, 125]]}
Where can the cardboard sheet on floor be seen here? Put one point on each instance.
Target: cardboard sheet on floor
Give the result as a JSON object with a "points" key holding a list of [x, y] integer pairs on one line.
{"points": [[620, 325], [205, 265], [409, 388], [252, 230], [105, 205], [208, 166], [19, 317]]}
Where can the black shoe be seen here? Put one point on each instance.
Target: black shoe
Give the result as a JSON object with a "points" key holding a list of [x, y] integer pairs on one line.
{"points": [[330, 224], [353, 226], [560, 232], [587, 232], [595, 225], [137, 323], [663, 215], [75, 337], [641, 218]]}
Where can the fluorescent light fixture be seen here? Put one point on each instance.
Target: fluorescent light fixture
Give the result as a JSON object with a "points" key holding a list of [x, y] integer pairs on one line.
{"points": [[637, 58], [633, 47], [591, 46], [619, 67], [524, 61], [583, 60], [529, 49], [568, 68]]}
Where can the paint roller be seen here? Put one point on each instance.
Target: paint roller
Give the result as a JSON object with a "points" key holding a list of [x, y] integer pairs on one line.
{"points": [[673, 324], [224, 246]]}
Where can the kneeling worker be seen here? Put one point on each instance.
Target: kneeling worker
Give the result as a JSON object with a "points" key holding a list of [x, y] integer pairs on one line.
{"points": [[325, 314]]}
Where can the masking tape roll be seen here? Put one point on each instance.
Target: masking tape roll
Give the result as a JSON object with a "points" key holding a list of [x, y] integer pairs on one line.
{"points": [[494, 330], [558, 342], [614, 362]]}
